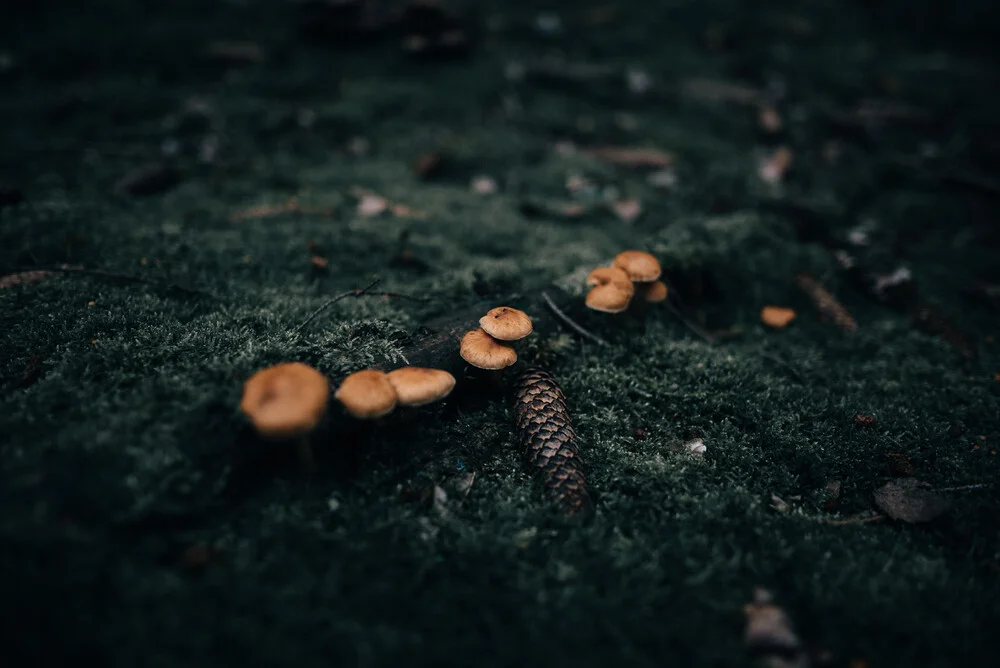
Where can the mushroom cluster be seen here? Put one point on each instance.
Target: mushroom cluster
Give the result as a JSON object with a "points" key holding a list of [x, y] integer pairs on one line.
{"points": [[371, 393], [489, 346], [631, 272]]}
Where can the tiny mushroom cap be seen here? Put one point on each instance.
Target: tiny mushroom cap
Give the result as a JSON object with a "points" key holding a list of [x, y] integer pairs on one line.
{"points": [[506, 324], [367, 394], [655, 292], [641, 266], [484, 352], [286, 400], [416, 386], [608, 298], [614, 275]]}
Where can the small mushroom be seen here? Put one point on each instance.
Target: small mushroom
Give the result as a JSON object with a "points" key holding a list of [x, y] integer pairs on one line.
{"points": [[367, 394], [654, 292], [285, 402], [614, 275], [608, 298], [640, 266], [504, 323], [417, 386], [484, 352]]}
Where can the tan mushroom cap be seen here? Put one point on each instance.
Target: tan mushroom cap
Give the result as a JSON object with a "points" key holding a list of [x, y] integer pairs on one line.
{"points": [[640, 266], [286, 400], [417, 386], [614, 275], [367, 394], [484, 352], [655, 292], [505, 323], [608, 298]]}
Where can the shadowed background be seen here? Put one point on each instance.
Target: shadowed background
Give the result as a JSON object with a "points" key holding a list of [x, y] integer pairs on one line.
{"points": [[223, 147]]}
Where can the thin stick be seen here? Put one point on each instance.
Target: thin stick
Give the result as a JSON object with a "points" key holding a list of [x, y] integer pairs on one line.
{"points": [[962, 488], [855, 520], [566, 320], [689, 324], [127, 278], [356, 292]]}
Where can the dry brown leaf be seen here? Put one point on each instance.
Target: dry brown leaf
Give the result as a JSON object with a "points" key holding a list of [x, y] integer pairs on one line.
{"points": [[632, 157], [777, 316], [910, 500], [826, 303], [31, 276], [319, 262]]}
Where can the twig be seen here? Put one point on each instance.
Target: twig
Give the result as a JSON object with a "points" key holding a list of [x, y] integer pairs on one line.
{"points": [[963, 488], [356, 292], [856, 520], [689, 324], [826, 303], [127, 278], [566, 320]]}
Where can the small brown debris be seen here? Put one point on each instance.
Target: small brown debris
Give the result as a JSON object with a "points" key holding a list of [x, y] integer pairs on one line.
{"points": [[769, 119], [772, 169], [910, 500], [428, 164], [714, 90], [32, 276], [264, 210], [627, 209], [371, 205], [899, 465], [826, 303], [769, 633], [865, 421], [639, 158], [319, 262], [832, 501], [639, 434], [776, 316]]}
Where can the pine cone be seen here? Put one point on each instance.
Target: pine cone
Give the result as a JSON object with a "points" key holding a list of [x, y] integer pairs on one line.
{"points": [[546, 433]]}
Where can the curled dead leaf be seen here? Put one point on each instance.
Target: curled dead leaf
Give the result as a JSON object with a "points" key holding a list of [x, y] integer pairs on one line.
{"points": [[777, 316], [910, 500]]}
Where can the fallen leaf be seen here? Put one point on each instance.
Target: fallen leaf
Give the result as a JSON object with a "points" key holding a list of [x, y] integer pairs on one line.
{"points": [[31, 276], [371, 205], [484, 185], [900, 465], [696, 447], [319, 262], [826, 303], [777, 316], [632, 157], [910, 500], [627, 209]]}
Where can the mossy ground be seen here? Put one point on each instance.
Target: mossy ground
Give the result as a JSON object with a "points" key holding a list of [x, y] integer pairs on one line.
{"points": [[122, 442]]}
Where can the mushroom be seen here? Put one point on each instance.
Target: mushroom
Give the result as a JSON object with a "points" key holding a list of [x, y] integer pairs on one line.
{"points": [[367, 394], [484, 352], [285, 402], [654, 292], [613, 275], [640, 266], [608, 298], [506, 324], [417, 386]]}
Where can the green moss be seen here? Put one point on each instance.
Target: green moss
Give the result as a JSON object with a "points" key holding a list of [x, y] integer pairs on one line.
{"points": [[121, 441]]}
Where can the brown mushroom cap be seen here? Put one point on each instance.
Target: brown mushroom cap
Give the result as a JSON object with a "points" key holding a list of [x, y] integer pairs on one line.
{"points": [[654, 292], [285, 400], [484, 352], [640, 266], [615, 275], [416, 386], [608, 298], [506, 324], [367, 394]]}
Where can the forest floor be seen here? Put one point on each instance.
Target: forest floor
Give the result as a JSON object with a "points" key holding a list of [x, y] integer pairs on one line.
{"points": [[218, 170]]}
